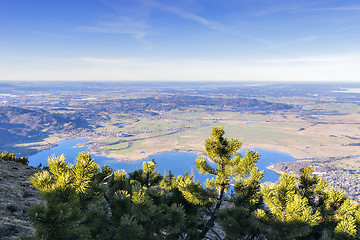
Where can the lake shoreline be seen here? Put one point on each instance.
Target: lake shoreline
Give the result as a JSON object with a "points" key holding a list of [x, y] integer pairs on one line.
{"points": [[295, 153], [172, 159]]}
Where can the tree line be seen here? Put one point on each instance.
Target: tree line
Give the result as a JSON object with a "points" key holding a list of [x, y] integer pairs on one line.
{"points": [[84, 201]]}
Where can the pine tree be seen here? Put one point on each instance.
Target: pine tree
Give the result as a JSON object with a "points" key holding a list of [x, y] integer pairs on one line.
{"points": [[232, 170], [307, 209], [339, 215], [83, 202], [60, 217], [290, 216], [238, 220]]}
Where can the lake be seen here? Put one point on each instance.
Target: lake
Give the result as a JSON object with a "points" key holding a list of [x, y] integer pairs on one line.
{"points": [[349, 90], [178, 162]]}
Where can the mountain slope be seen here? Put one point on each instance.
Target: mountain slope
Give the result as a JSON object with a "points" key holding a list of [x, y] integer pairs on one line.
{"points": [[18, 124], [16, 196]]}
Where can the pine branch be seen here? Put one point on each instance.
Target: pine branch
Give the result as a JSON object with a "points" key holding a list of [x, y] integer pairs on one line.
{"points": [[210, 222], [105, 178], [108, 201], [252, 236], [160, 233], [209, 209], [211, 229]]}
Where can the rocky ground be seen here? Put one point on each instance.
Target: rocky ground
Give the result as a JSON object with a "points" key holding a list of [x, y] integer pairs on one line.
{"points": [[16, 196]]}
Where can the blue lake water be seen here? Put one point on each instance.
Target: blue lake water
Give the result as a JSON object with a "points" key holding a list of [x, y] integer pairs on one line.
{"points": [[178, 162]]}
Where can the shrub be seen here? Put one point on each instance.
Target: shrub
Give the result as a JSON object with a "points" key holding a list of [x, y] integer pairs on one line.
{"points": [[12, 158]]}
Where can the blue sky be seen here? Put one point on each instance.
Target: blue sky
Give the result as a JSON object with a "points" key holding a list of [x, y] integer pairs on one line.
{"points": [[180, 40]]}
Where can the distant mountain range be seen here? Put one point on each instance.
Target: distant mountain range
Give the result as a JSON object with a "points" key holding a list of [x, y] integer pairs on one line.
{"points": [[19, 123]]}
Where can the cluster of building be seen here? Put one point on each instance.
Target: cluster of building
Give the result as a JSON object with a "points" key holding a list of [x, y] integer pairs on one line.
{"points": [[349, 181]]}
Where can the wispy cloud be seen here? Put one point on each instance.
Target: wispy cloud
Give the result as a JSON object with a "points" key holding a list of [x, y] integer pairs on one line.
{"points": [[308, 60], [273, 45], [134, 21], [297, 41], [144, 8], [346, 28], [122, 25], [51, 34], [193, 17], [108, 61], [277, 9], [343, 8], [301, 7]]}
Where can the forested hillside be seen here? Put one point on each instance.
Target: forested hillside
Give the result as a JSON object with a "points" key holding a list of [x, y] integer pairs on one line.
{"points": [[21, 125]]}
